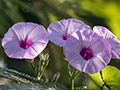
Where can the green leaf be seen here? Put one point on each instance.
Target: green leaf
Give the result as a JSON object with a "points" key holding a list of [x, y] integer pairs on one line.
{"points": [[96, 78], [111, 76], [109, 79]]}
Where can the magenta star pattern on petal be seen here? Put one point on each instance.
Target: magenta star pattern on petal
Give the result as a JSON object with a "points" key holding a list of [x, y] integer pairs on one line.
{"points": [[59, 31], [25, 40], [111, 38], [87, 51]]}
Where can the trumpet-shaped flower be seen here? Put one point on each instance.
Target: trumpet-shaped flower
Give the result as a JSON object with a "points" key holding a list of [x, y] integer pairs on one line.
{"points": [[25, 40], [59, 31], [87, 51], [111, 38]]}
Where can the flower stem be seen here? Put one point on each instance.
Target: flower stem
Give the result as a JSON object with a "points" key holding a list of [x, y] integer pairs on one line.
{"points": [[72, 84], [73, 74]]}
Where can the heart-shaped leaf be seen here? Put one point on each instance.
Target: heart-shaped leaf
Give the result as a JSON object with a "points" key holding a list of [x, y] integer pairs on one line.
{"points": [[108, 79]]}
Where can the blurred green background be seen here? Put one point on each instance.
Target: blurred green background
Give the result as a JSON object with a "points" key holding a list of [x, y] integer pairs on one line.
{"points": [[92, 12]]}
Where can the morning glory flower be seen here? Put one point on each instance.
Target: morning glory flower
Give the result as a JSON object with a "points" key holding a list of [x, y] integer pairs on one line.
{"points": [[87, 51], [59, 31], [25, 40], [111, 38]]}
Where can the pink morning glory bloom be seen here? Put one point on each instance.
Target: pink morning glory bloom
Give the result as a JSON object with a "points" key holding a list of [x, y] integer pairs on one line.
{"points": [[87, 51], [59, 31], [111, 38], [25, 40]]}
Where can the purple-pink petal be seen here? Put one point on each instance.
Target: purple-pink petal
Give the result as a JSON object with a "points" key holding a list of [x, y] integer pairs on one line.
{"points": [[30, 53], [11, 36], [93, 66], [59, 31], [87, 51], [111, 38], [115, 48], [25, 40]]}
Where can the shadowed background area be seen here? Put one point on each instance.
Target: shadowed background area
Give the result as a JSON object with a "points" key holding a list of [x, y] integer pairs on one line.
{"points": [[92, 12]]}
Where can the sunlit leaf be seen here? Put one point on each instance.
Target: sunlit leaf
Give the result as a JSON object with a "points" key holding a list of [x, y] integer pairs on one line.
{"points": [[111, 76], [109, 79]]}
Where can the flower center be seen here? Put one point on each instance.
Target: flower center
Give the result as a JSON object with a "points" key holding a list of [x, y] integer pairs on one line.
{"points": [[25, 44], [86, 53], [66, 37]]}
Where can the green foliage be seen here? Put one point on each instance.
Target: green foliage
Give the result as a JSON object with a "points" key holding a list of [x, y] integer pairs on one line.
{"points": [[107, 79], [25, 86], [73, 72], [27, 82], [39, 65], [20, 77]]}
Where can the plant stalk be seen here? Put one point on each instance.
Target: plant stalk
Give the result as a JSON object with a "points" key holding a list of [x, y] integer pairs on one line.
{"points": [[72, 84]]}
